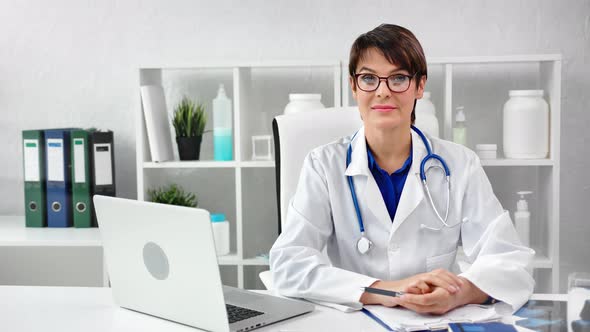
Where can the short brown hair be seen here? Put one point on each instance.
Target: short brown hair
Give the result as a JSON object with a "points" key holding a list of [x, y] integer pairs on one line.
{"points": [[397, 44]]}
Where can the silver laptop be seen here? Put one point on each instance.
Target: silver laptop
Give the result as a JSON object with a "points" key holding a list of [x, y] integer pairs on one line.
{"points": [[161, 261]]}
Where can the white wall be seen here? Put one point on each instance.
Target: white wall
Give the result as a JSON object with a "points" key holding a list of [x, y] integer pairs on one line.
{"points": [[65, 63]]}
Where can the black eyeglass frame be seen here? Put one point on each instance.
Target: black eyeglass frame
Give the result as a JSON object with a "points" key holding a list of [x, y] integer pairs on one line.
{"points": [[410, 77]]}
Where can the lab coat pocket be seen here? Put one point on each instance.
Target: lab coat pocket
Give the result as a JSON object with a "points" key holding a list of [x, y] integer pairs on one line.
{"points": [[444, 261]]}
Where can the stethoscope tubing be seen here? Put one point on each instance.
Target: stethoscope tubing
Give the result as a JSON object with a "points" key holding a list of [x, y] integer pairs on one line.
{"points": [[428, 156]]}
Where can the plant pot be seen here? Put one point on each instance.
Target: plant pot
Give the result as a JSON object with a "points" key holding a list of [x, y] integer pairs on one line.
{"points": [[189, 148]]}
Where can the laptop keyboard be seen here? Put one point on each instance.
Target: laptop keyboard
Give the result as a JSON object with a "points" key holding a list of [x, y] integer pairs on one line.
{"points": [[236, 314]]}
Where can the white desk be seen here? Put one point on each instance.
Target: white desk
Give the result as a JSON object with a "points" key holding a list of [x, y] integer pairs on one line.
{"points": [[13, 233], [64, 309]]}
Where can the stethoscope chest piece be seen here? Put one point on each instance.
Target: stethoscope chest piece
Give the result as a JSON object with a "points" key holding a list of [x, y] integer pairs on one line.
{"points": [[364, 245]]}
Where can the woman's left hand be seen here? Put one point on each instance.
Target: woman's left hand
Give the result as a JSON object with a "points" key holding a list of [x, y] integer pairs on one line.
{"points": [[441, 301]]}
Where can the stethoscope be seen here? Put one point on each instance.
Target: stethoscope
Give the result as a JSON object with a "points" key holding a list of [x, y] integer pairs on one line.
{"points": [[363, 244]]}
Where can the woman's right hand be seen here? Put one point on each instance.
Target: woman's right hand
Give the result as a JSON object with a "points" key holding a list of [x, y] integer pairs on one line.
{"points": [[425, 282], [422, 283]]}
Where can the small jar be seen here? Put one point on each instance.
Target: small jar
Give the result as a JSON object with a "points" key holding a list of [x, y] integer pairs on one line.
{"points": [[220, 228], [301, 102], [486, 151], [526, 125]]}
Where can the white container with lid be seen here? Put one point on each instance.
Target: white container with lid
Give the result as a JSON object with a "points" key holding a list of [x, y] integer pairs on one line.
{"points": [[426, 116], [220, 228], [526, 125], [301, 102], [486, 151]]}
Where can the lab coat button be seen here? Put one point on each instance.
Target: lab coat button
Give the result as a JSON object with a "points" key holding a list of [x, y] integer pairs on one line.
{"points": [[393, 248]]}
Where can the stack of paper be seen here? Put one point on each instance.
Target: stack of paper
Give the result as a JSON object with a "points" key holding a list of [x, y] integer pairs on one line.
{"points": [[398, 318]]}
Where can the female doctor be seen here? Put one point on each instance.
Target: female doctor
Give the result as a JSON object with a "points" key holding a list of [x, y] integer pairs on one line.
{"points": [[362, 217]]}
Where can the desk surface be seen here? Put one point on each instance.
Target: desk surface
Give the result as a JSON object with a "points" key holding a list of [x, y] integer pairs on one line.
{"points": [[14, 233], [64, 309]]}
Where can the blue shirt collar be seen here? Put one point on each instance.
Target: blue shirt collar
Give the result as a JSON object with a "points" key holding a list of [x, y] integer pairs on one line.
{"points": [[374, 166]]}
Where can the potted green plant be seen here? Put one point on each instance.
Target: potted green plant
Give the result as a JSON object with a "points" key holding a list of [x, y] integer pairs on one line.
{"points": [[189, 121], [173, 195]]}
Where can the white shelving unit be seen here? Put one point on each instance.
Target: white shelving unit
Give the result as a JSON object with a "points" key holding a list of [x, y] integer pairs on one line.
{"points": [[481, 84], [245, 189]]}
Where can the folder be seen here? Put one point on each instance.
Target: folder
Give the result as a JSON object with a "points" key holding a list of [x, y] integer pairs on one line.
{"points": [[58, 177], [402, 319], [103, 165], [81, 202], [481, 327], [34, 178]]}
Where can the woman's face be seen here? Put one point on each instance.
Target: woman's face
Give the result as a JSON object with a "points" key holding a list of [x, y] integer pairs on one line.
{"points": [[383, 109]]}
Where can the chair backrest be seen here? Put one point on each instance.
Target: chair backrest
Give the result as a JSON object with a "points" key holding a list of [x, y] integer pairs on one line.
{"points": [[295, 135]]}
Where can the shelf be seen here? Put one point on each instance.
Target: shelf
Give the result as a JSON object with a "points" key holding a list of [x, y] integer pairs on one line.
{"points": [[232, 259], [255, 261], [245, 64], [517, 162], [249, 83], [542, 262], [191, 164], [13, 233], [258, 163], [210, 164], [494, 59], [271, 164]]}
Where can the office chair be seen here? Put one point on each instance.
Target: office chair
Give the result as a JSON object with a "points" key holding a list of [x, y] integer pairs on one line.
{"points": [[295, 135]]}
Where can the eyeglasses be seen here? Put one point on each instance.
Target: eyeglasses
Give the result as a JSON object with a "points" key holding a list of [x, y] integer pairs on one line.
{"points": [[396, 83]]}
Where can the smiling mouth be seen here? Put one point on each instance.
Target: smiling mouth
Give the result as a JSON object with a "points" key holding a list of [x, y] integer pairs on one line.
{"points": [[383, 108]]}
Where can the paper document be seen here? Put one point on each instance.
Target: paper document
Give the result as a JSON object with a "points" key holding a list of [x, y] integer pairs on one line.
{"points": [[401, 319]]}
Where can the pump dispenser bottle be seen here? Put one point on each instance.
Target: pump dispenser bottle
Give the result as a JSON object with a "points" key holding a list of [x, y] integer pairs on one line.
{"points": [[222, 126], [522, 218], [460, 129]]}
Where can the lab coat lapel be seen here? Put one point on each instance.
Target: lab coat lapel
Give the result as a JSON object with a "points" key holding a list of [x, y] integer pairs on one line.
{"points": [[375, 203], [365, 185], [412, 194]]}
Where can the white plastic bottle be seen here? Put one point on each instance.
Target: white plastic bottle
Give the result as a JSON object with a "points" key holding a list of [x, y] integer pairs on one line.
{"points": [[460, 129], [220, 228], [222, 126], [426, 116], [301, 102], [522, 218], [526, 125]]}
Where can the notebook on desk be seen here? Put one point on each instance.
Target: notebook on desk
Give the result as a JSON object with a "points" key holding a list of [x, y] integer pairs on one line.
{"points": [[481, 327], [402, 319]]}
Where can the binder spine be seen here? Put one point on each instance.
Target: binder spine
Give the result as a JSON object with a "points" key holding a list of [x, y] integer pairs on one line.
{"points": [[34, 178], [102, 158], [58, 178], [81, 202]]}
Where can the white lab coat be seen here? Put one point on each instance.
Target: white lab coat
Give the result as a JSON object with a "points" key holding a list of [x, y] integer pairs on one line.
{"points": [[315, 257]]}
